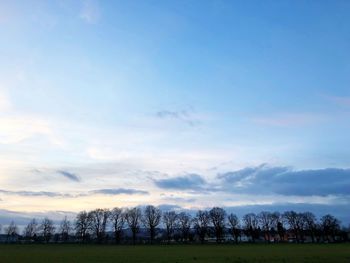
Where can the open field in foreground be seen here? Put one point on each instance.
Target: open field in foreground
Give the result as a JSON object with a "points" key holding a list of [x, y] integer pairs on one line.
{"points": [[176, 253]]}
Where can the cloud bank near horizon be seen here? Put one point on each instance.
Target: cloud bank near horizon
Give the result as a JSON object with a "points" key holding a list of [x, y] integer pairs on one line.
{"points": [[340, 211], [261, 185]]}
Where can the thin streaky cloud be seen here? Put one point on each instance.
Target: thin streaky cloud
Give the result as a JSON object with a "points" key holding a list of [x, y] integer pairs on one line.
{"points": [[107, 191], [186, 182], [119, 191], [35, 193], [182, 115], [69, 175]]}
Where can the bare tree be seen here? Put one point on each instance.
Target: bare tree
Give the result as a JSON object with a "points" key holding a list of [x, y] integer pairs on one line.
{"points": [[233, 223], [117, 218], [330, 226], [82, 226], [201, 224], [65, 229], [277, 224], [151, 219], [31, 230], [251, 225], [169, 220], [99, 218], [133, 218], [217, 216], [47, 229], [185, 225], [295, 222], [310, 224], [275, 218], [178, 226], [281, 231], [266, 221], [11, 230]]}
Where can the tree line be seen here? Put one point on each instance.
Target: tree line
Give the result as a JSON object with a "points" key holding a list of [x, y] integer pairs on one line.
{"points": [[151, 225]]}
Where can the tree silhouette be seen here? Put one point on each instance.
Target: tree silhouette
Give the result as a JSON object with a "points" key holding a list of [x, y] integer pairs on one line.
{"points": [[217, 217], [233, 223], [185, 225], [251, 225], [47, 229], [330, 226], [291, 225], [133, 218], [82, 226], [201, 223], [117, 218], [295, 222], [11, 231], [266, 219], [310, 224], [280, 230], [65, 229], [169, 220], [151, 219], [98, 222], [31, 230]]}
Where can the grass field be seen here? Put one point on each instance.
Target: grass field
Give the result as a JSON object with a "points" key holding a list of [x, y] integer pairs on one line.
{"points": [[176, 253]]}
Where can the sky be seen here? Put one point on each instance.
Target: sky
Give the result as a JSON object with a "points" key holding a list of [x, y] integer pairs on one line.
{"points": [[180, 104]]}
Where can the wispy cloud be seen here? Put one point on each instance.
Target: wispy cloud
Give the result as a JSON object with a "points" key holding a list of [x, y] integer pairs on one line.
{"points": [[183, 115], [177, 199], [109, 191], [119, 191], [90, 12], [187, 182], [34, 193], [69, 175]]}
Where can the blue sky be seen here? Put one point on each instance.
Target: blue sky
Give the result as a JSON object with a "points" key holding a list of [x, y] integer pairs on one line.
{"points": [[114, 103]]}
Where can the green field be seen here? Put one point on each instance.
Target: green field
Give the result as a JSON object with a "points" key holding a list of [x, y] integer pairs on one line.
{"points": [[176, 253]]}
